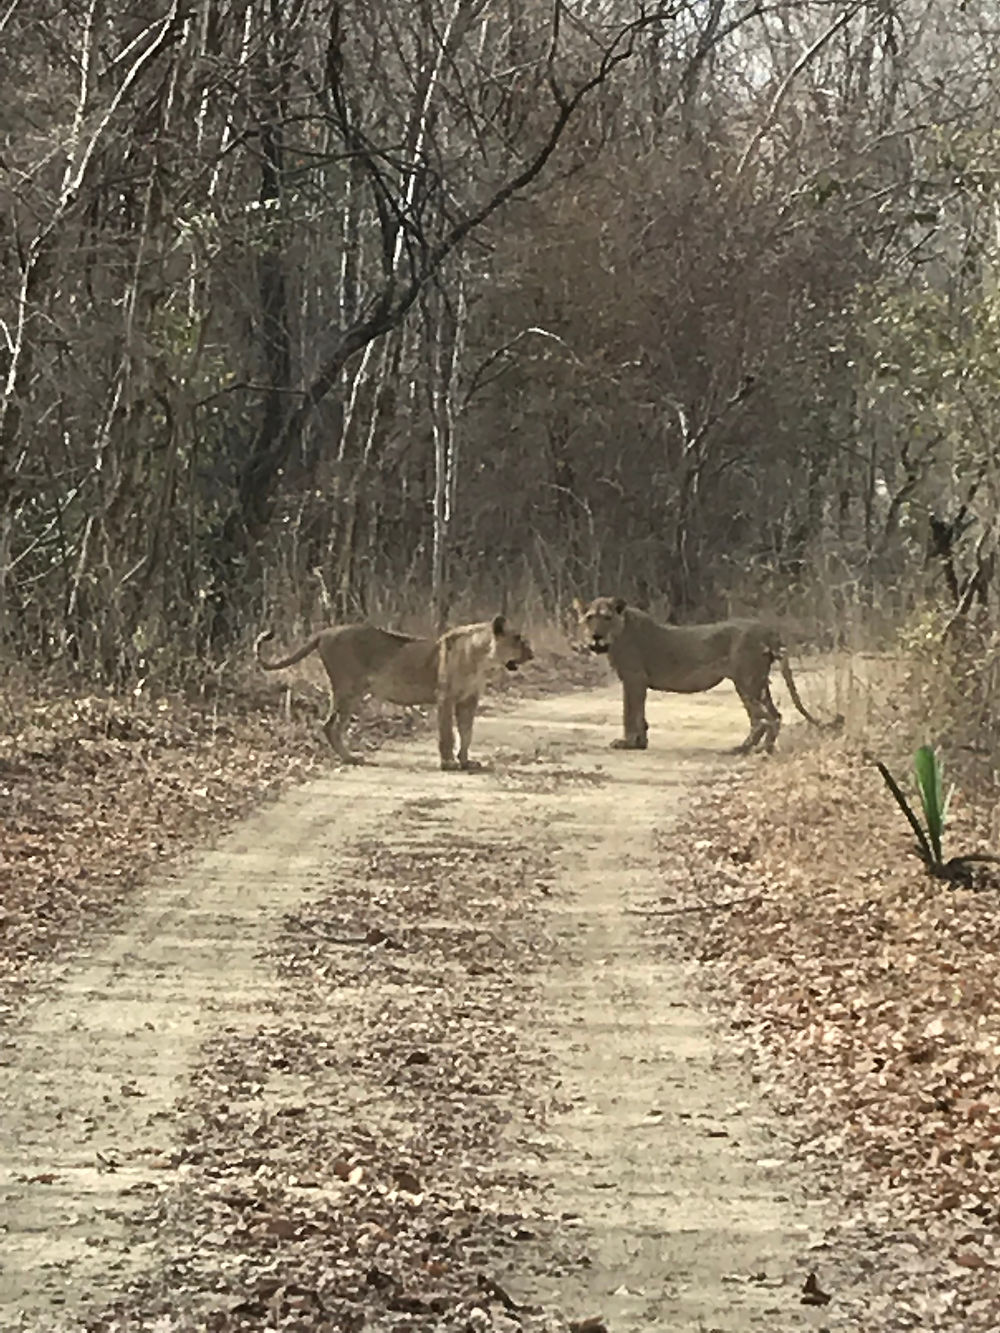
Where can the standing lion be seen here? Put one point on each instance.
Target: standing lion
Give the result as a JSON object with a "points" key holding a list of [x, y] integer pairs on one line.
{"points": [[450, 672], [687, 659]]}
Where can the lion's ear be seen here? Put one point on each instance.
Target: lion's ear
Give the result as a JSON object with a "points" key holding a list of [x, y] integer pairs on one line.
{"points": [[620, 605], [499, 625]]}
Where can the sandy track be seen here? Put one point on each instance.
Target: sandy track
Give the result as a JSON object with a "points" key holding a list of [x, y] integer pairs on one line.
{"points": [[653, 1155], [657, 1157]]}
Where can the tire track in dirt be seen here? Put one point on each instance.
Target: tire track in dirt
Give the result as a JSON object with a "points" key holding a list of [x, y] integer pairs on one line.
{"points": [[651, 1153]]}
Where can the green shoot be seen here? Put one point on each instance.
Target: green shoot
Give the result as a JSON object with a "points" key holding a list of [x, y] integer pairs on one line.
{"points": [[924, 849], [927, 766], [928, 770]]}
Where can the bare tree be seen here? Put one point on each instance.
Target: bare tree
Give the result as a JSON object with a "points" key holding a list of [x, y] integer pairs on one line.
{"points": [[416, 294]]}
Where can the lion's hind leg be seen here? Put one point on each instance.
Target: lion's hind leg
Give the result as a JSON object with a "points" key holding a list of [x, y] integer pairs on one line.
{"points": [[760, 719], [772, 719], [342, 709]]}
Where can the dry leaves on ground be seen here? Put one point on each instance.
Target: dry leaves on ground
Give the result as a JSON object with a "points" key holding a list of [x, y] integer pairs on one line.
{"points": [[307, 1208], [338, 1168], [96, 790], [871, 994]]}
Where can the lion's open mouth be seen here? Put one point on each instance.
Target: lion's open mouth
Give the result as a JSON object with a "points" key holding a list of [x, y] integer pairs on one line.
{"points": [[511, 666], [599, 646]]}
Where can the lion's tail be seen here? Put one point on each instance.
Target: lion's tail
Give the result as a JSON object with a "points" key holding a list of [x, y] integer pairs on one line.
{"points": [[308, 647], [781, 657]]}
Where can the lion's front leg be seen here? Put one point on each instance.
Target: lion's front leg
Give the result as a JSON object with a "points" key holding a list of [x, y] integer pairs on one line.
{"points": [[446, 732], [634, 717], [465, 716]]}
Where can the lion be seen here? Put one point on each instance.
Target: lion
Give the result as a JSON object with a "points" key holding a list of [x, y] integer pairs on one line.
{"points": [[450, 671], [688, 659]]}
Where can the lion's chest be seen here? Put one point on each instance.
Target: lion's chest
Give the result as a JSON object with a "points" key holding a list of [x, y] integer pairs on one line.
{"points": [[471, 682]]}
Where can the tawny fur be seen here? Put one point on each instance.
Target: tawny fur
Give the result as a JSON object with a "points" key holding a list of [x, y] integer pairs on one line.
{"points": [[687, 659], [450, 672]]}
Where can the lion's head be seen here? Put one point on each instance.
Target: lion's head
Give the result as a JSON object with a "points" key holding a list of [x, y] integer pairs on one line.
{"points": [[509, 647], [602, 621]]}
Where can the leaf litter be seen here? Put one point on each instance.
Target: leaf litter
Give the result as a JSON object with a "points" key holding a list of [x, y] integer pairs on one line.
{"points": [[96, 790], [261, 1215], [869, 996], [339, 1171]]}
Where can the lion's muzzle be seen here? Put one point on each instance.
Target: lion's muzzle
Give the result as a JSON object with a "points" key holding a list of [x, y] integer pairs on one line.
{"points": [[599, 645]]}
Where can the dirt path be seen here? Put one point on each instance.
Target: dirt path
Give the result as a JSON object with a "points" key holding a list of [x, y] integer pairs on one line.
{"points": [[657, 1155], [652, 1153]]}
